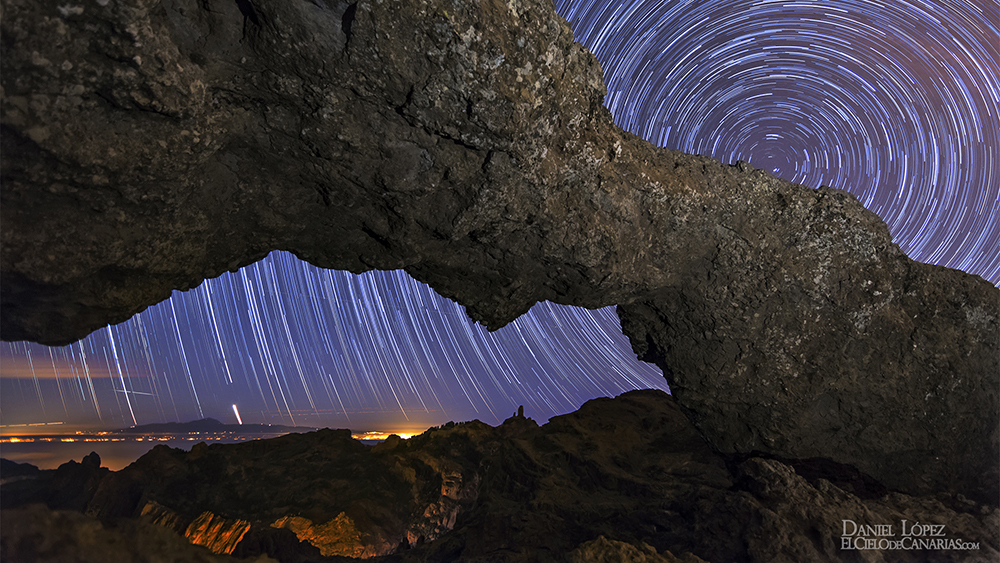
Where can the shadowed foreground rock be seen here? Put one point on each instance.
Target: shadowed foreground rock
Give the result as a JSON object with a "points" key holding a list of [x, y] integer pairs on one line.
{"points": [[36, 534], [624, 479], [149, 145]]}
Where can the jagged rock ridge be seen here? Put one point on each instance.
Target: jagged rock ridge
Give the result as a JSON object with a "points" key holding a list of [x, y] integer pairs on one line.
{"points": [[628, 477], [148, 146]]}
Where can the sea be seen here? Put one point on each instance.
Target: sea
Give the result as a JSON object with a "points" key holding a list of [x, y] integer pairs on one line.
{"points": [[115, 455], [117, 452]]}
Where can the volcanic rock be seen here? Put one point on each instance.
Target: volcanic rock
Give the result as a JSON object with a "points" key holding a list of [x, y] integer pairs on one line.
{"points": [[11, 471], [635, 471], [331, 491], [624, 479], [150, 145], [37, 534], [603, 550], [68, 487]]}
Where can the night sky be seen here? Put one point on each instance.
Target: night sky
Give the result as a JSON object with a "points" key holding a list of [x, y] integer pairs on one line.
{"points": [[897, 102]]}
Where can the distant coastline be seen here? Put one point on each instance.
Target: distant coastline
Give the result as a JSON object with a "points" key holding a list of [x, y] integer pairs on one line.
{"points": [[120, 447], [211, 425]]}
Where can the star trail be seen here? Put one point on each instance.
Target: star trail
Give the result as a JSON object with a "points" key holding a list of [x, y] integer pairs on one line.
{"points": [[289, 343], [895, 101]]}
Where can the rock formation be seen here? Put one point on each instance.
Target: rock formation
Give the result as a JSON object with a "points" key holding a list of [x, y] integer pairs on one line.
{"points": [[150, 145], [603, 550], [69, 487], [624, 479], [41, 535], [219, 535], [329, 490]]}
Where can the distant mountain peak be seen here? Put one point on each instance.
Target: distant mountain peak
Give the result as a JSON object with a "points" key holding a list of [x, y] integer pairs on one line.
{"points": [[211, 425]]}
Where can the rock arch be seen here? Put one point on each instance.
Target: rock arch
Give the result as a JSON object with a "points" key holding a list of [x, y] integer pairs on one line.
{"points": [[150, 146]]}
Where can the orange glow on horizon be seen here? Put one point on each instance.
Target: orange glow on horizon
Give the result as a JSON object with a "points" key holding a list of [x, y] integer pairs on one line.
{"points": [[380, 435]]}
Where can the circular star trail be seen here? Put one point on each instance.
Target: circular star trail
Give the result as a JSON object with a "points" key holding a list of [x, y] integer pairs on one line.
{"points": [[894, 101]]}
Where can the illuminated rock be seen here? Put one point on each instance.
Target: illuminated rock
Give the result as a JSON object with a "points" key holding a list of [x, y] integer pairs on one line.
{"points": [[216, 533], [440, 517], [335, 537]]}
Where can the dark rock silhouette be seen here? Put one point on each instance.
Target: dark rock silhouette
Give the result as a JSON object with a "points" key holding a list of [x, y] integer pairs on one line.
{"points": [[621, 479], [151, 146], [39, 535], [68, 487], [11, 471], [634, 470]]}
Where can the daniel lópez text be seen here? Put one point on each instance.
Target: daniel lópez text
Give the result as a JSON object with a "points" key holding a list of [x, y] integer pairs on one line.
{"points": [[904, 536]]}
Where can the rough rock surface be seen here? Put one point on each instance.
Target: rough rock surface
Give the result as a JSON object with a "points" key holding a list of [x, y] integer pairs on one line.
{"points": [[329, 490], [36, 534], [603, 550], [624, 479], [634, 470], [153, 144], [69, 487]]}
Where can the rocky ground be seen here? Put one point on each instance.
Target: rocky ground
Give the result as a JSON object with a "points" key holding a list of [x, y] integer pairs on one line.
{"points": [[624, 479]]}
